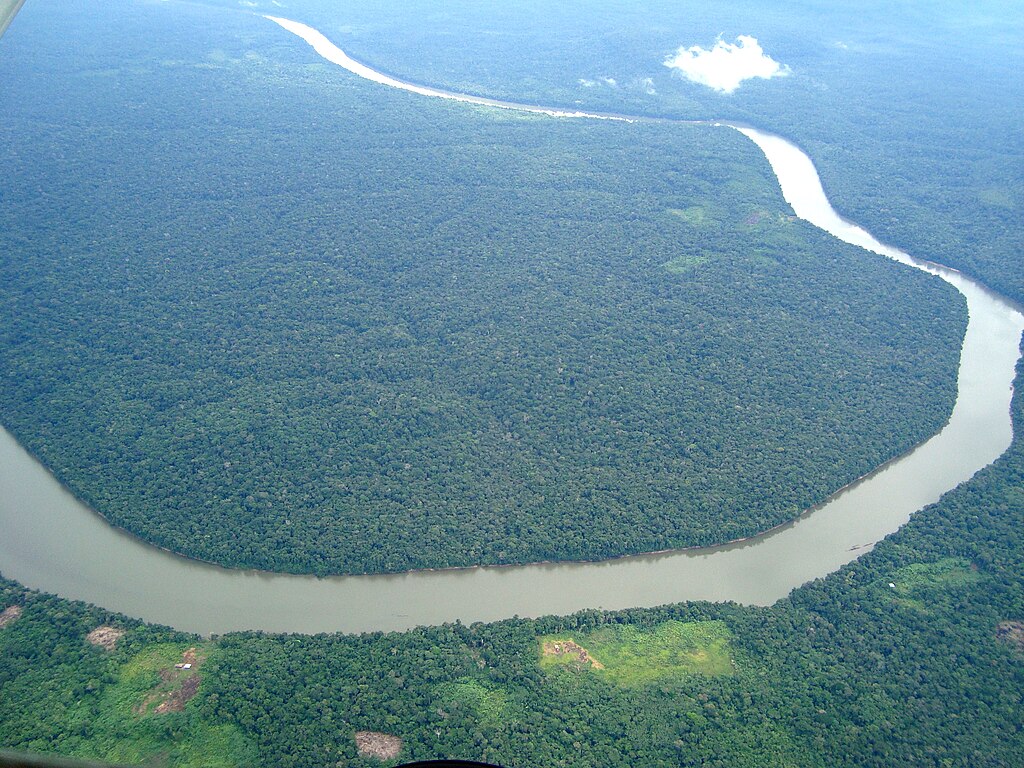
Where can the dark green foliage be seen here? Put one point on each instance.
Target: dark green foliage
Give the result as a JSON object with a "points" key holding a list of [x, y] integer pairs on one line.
{"points": [[910, 110], [845, 672], [61, 694], [270, 315], [835, 675]]}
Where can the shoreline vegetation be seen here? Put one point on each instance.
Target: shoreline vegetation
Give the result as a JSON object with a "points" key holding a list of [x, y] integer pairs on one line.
{"points": [[663, 366], [803, 190], [696, 549]]}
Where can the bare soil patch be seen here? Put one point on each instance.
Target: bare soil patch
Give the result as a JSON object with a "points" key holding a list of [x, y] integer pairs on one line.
{"points": [[177, 686], [105, 636], [1011, 632], [382, 746], [10, 614], [569, 648], [176, 699]]}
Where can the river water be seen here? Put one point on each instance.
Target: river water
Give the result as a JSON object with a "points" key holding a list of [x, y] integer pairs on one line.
{"points": [[53, 542]]}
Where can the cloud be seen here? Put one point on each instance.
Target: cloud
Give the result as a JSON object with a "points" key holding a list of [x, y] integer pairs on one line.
{"points": [[611, 82], [646, 84], [725, 65]]}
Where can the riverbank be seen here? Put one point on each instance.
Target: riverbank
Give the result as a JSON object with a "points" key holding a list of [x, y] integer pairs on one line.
{"points": [[53, 542]]}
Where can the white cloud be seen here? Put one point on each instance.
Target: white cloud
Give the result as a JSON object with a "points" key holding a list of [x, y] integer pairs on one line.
{"points": [[611, 82], [646, 84], [725, 65]]}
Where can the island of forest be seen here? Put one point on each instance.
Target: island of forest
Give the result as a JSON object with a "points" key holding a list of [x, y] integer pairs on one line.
{"points": [[337, 329]]}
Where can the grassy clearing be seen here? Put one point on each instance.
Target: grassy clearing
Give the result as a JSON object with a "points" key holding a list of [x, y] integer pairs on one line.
{"points": [[695, 215], [489, 705], [629, 656], [688, 262], [126, 727], [922, 585], [140, 677]]}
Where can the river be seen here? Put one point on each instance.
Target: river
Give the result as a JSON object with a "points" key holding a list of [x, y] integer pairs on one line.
{"points": [[53, 542]]}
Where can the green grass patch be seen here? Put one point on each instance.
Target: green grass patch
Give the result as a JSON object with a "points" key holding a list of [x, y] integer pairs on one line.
{"points": [[487, 704], [921, 586], [684, 264], [142, 671], [124, 727], [629, 656], [695, 215]]}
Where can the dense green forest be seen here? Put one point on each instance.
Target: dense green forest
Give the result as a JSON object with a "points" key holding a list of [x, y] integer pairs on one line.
{"points": [[909, 109], [912, 655], [266, 314]]}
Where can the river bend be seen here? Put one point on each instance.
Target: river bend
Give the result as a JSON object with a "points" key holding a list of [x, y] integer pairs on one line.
{"points": [[53, 542]]}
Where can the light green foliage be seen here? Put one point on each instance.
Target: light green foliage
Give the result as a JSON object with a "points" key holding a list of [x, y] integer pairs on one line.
{"points": [[631, 656], [922, 585], [688, 262], [695, 215], [128, 729], [1000, 197], [139, 679], [62, 694], [141, 672], [487, 703]]}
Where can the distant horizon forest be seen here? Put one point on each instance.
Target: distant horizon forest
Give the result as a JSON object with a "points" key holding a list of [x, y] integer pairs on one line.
{"points": [[214, 219], [268, 315]]}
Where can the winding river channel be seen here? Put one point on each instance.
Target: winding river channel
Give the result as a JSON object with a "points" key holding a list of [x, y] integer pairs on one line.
{"points": [[51, 541]]}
